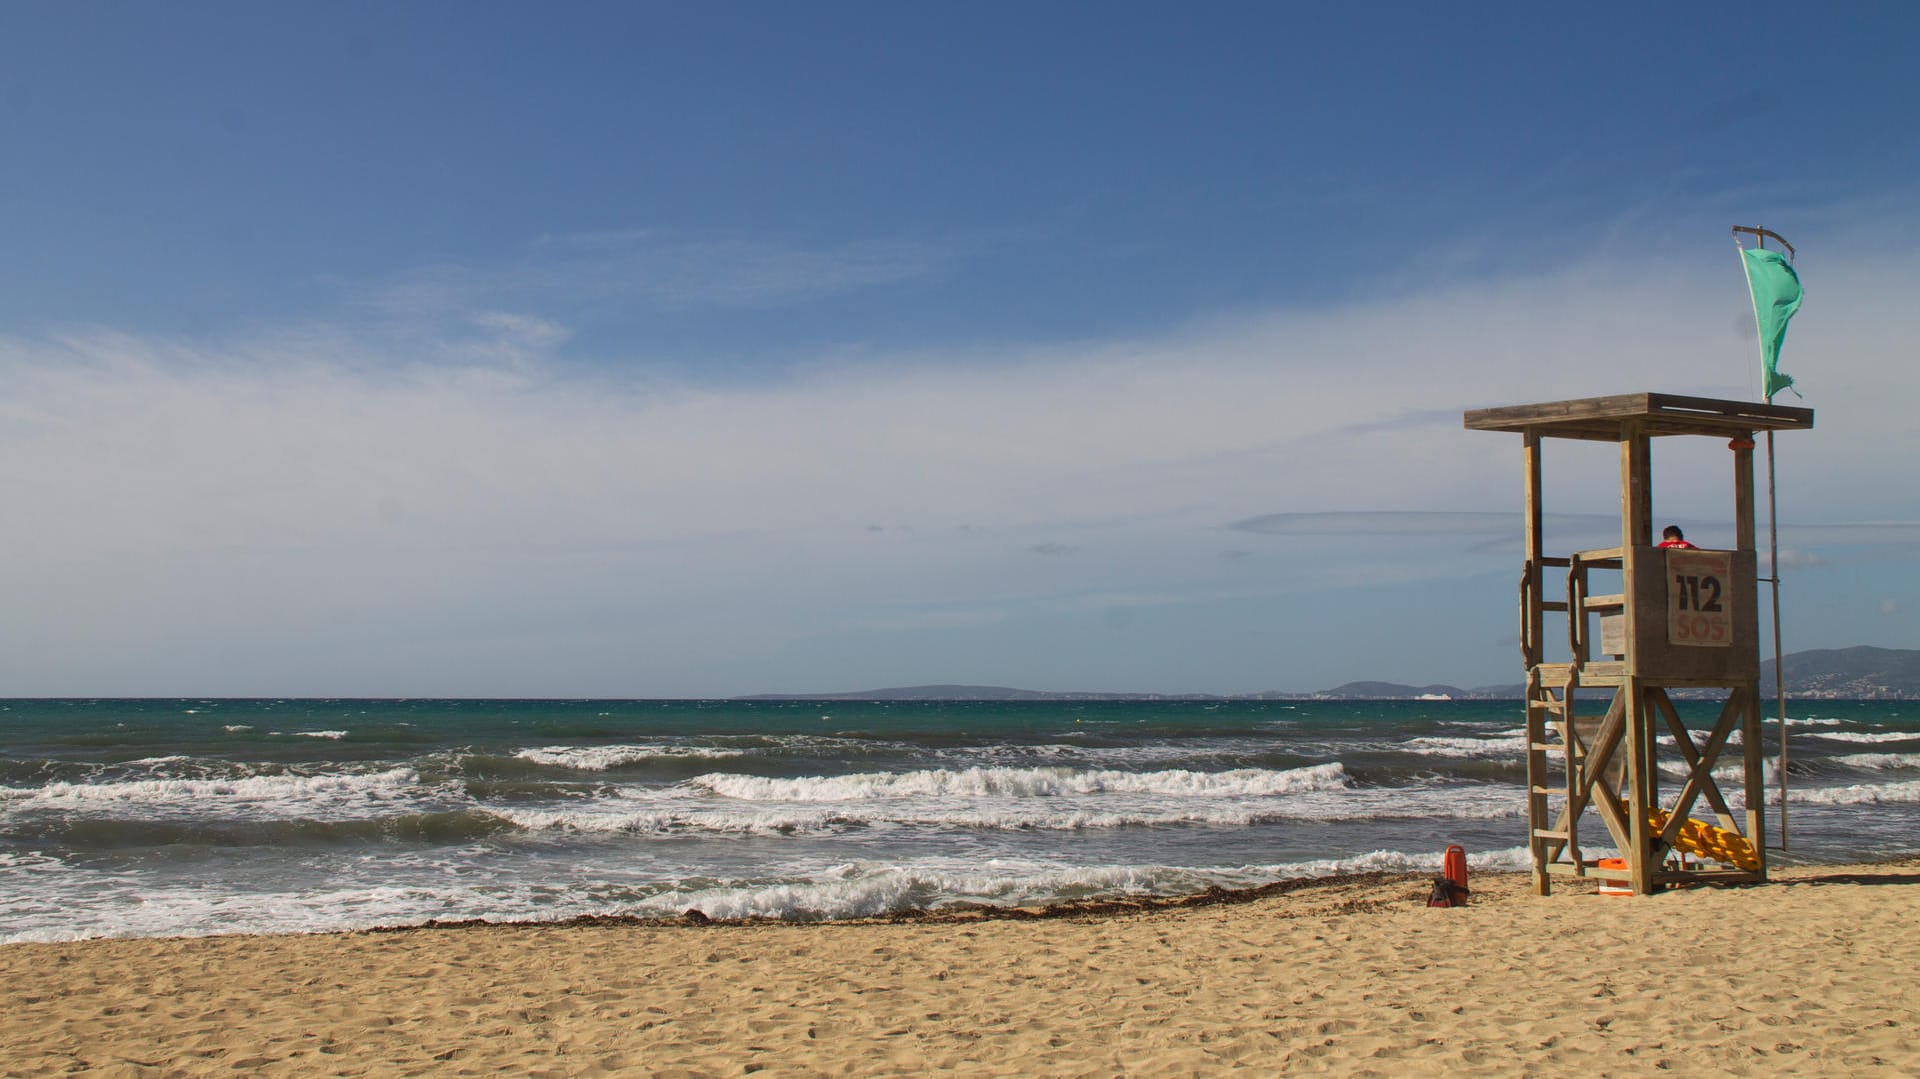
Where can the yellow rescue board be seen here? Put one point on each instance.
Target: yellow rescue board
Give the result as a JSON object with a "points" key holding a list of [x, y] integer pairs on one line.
{"points": [[1699, 837]]}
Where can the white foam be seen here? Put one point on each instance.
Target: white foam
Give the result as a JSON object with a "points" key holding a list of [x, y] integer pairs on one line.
{"points": [[862, 892], [331, 735], [118, 906], [187, 791], [1859, 794], [664, 821], [601, 758], [1867, 736], [1022, 783], [1879, 760], [1475, 748], [198, 912], [651, 812], [236, 728], [1727, 770]]}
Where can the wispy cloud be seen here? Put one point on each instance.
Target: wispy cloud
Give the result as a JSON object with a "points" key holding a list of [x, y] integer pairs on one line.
{"points": [[660, 269], [399, 511], [1404, 523]]}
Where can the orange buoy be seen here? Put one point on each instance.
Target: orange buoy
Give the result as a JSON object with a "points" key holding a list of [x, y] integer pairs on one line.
{"points": [[1614, 887], [1454, 865]]}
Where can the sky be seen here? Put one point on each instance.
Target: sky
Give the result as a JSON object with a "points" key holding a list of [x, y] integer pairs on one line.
{"points": [[637, 350]]}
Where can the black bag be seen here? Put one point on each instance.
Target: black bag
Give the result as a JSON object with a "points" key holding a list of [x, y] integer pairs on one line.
{"points": [[1447, 894]]}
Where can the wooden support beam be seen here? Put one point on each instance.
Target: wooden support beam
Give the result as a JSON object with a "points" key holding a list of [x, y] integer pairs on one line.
{"points": [[1638, 848], [1532, 525], [1700, 765], [1749, 696], [1636, 487], [1536, 782]]}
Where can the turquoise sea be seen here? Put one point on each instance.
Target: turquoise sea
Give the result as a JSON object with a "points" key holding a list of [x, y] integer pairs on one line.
{"points": [[180, 817]]}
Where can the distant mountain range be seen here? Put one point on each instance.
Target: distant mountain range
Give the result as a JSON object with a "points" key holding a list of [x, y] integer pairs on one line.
{"points": [[1859, 673], [1862, 673]]}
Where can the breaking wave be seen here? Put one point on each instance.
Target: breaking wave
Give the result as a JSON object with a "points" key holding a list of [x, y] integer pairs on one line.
{"points": [[176, 791], [603, 758], [1879, 761], [1514, 746], [1023, 783], [1860, 794]]}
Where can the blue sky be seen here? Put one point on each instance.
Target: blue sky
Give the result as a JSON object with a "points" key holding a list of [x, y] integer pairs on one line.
{"points": [[658, 351]]}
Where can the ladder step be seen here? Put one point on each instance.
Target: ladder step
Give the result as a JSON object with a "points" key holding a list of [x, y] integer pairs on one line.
{"points": [[1548, 833], [1605, 603], [1545, 747], [1549, 790]]}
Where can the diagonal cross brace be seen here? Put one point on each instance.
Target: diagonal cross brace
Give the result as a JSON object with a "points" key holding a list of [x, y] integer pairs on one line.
{"points": [[1700, 764], [1594, 762]]}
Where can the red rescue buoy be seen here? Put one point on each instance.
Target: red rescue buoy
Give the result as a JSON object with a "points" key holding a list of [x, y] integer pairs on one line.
{"points": [[1455, 866], [1450, 888]]}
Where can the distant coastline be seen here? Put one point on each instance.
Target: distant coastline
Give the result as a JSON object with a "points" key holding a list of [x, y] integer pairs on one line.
{"points": [[1859, 673]]}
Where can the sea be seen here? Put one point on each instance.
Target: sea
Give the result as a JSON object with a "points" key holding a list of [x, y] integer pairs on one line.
{"points": [[147, 818]]}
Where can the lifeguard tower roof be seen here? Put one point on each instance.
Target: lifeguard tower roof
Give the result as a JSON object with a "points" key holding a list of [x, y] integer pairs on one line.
{"points": [[1607, 419]]}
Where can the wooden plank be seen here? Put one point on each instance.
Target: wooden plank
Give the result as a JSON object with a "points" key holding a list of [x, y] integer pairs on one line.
{"points": [[1590, 869], [1671, 406], [1600, 418], [1549, 413]]}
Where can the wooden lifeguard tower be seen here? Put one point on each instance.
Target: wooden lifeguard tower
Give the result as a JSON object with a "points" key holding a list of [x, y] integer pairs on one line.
{"points": [[1683, 619]]}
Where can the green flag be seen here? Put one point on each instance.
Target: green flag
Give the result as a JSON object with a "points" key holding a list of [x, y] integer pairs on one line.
{"points": [[1776, 296]]}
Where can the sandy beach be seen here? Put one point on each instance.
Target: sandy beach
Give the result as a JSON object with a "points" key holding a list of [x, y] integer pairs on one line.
{"points": [[1350, 977]]}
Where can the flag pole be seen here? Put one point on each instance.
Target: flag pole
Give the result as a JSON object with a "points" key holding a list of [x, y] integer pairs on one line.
{"points": [[1779, 671], [1773, 544]]}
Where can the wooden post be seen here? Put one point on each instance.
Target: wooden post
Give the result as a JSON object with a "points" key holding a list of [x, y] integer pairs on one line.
{"points": [[1537, 783], [1534, 542], [1535, 624], [1639, 831], [1755, 775], [1636, 487]]}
